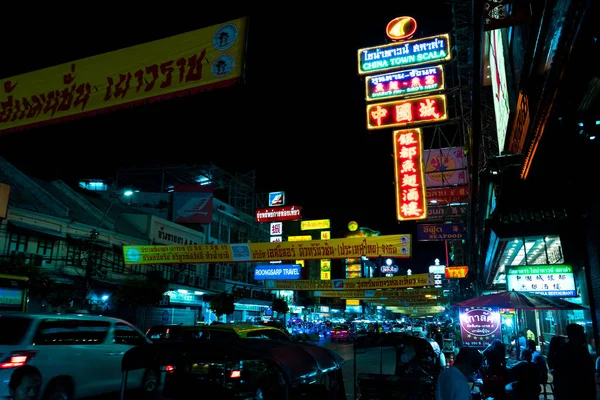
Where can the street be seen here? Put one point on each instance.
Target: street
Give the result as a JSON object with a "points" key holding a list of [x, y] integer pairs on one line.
{"points": [[366, 362]]}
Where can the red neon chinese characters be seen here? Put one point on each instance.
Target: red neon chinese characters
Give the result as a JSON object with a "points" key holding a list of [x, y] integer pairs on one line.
{"points": [[407, 112], [411, 202]]}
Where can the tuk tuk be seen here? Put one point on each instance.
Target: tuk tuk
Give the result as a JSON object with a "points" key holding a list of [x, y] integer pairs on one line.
{"points": [[238, 369], [417, 366]]}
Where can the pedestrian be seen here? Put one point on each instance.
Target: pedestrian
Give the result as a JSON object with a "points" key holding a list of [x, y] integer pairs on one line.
{"points": [[454, 382], [25, 383], [574, 372]]}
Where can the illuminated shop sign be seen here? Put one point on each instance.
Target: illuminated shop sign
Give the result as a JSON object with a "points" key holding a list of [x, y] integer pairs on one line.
{"points": [[276, 199], [499, 86], [402, 83], [411, 203], [283, 213], [277, 272], [404, 54], [315, 224], [548, 280], [401, 28], [407, 113]]}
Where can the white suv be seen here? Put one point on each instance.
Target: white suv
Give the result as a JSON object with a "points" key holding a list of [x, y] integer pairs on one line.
{"points": [[78, 355]]}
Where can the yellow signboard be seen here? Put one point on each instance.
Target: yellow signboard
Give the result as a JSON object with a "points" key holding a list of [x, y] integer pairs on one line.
{"points": [[395, 246], [381, 294], [351, 302], [396, 282], [325, 269], [315, 224], [325, 235], [300, 263], [301, 238], [199, 60]]}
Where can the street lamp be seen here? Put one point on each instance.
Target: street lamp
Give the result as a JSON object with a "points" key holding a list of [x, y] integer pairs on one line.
{"points": [[128, 193]]}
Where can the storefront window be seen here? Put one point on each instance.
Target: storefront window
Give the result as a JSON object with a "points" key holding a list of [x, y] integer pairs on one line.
{"points": [[532, 250]]}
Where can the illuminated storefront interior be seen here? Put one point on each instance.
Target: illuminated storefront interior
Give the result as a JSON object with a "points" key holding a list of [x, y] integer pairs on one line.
{"points": [[533, 250]]}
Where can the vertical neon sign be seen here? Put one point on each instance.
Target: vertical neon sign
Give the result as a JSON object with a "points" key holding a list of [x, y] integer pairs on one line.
{"points": [[411, 202]]}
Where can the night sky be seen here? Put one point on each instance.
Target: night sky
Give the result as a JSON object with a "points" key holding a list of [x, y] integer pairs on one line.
{"points": [[298, 119]]}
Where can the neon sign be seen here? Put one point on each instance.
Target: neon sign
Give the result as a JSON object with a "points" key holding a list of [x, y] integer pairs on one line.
{"points": [[401, 28], [411, 202], [402, 83], [404, 54], [407, 112]]}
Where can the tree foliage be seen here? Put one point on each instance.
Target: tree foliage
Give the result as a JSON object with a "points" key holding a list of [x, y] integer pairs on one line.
{"points": [[142, 292], [40, 284], [280, 306], [222, 304]]}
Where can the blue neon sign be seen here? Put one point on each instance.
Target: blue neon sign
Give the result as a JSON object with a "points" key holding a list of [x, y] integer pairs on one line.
{"points": [[404, 54], [280, 272]]}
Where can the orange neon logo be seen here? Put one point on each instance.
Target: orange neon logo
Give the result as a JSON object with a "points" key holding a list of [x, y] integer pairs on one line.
{"points": [[401, 28]]}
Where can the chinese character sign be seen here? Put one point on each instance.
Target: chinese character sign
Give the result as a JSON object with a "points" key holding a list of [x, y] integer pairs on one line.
{"points": [[549, 280], [276, 228], [411, 203], [325, 269], [402, 83], [407, 113], [479, 326]]}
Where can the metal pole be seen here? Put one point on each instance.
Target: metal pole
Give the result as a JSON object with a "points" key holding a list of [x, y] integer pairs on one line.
{"points": [[381, 360], [476, 127], [354, 372]]}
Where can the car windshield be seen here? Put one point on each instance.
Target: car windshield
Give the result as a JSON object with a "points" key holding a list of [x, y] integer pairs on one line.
{"points": [[267, 334], [12, 329]]}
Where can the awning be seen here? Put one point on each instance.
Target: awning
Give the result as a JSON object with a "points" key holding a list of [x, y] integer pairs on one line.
{"points": [[24, 227]]}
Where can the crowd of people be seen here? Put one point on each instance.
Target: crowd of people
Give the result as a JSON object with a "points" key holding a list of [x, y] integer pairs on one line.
{"points": [[569, 364]]}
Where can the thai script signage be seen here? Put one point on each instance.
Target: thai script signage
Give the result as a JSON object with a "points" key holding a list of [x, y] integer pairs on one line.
{"points": [[520, 125], [404, 54], [403, 83], [276, 214], [395, 282], [446, 213], [393, 246], [548, 280], [479, 326], [203, 59], [437, 232], [459, 194], [315, 224], [279, 272], [408, 112], [411, 203]]}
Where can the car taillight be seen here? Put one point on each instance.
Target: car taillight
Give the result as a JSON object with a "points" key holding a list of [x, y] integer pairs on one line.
{"points": [[17, 359], [344, 331]]}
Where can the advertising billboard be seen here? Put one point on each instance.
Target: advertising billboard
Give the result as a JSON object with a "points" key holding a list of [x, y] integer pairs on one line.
{"points": [[276, 214], [445, 167], [499, 86], [194, 61], [395, 282]]}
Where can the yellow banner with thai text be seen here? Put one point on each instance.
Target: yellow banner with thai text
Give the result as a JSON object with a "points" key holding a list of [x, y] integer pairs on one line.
{"points": [[397, 246], [394, 282], [382, 294], [203, 59]]}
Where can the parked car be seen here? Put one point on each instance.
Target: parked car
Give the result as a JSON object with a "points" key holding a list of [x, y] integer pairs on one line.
{"points": [[78, 355], [162, 333], [341, 332]]}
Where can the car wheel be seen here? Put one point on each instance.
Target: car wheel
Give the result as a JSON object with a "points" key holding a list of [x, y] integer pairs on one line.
{"points": [[150, 381]]}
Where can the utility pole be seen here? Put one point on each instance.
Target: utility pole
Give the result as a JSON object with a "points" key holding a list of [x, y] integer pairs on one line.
{"points": [[88, 263]]}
